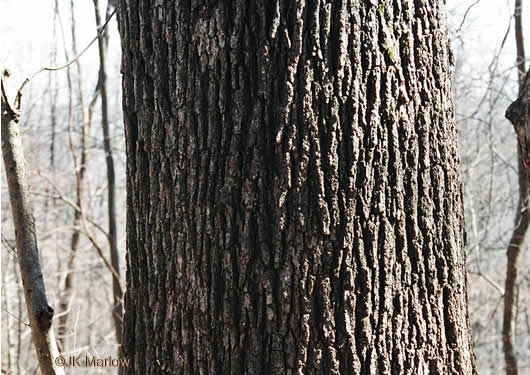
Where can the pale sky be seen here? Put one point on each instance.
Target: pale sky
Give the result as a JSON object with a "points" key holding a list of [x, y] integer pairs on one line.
{"points": [[26, 29], [485, 26]]}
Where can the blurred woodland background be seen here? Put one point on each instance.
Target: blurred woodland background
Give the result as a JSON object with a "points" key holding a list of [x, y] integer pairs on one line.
{"points": [[63, 125]]}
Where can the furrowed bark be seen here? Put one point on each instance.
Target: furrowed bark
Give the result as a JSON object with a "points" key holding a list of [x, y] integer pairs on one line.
{"points": [[294, 204], [40, 313]]}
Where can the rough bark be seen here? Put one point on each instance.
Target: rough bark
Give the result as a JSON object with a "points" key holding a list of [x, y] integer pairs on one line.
{"points": [[522, 218], [40, 313], [117, 310], [294, 198]]}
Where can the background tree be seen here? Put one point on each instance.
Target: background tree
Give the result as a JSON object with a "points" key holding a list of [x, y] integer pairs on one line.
{"points": [[294, 201], [54, 186], [522, 216], [80, 165], [486, 82], [111, 181]]}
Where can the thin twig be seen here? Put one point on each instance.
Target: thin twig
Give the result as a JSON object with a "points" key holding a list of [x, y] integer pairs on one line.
{"points": [[87, 232], [15, 317], [66, 65], [70, 203], [490, 281], [465, 15], [10, 246]]}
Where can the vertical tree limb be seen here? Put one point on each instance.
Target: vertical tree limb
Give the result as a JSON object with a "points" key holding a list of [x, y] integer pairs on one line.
{"points": [[516, 114], [111, 179], [7, 331], [40, 313], [80, 169]]}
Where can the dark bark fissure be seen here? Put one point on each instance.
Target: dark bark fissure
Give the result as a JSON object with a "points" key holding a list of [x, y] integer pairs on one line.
{"points": [[294, 201]]}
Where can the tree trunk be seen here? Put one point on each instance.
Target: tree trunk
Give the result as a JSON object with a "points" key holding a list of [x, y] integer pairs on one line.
{"points": [[117, 309], [66, 300], [40, 313], [294, 198], [522, 220]]}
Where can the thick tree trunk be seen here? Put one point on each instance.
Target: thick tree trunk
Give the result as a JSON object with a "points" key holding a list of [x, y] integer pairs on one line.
{"points": [[294, 199]]}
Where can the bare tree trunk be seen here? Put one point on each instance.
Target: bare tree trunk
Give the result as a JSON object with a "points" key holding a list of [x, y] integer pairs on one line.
{"points": [[51, 212], [6, 321], [40, 312], [65, 293], [522, 220], [113, 236], [294, 203], [20, 309], [52, 85], [80, 169]]}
